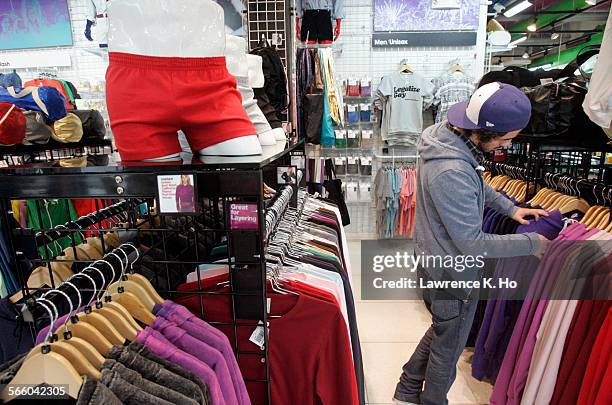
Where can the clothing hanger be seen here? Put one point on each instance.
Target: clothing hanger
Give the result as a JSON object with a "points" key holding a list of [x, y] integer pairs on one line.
{"points": [[593, 212], [135, 289], [456, 68], [47, 367], [132, 302], [139, 278], [578, 204], [116, 317], [83, 346], [405, 66], [120, 308], [99, 321], [85, 330], [603, 216], [78, 360]]}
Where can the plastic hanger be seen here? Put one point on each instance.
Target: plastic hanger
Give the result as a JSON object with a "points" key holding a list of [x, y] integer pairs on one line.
{"points": [[49, 368], [139, 278]]}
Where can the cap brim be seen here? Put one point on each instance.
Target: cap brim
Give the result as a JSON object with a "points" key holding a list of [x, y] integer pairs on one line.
{"points": [[457, 117]]}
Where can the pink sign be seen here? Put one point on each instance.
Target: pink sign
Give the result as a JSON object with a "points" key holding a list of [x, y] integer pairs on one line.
{"points": [[243, 216]]}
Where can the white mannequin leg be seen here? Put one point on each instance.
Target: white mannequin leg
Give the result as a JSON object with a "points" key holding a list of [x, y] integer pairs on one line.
{"points": [[279, 134], [243, 146], [267, 138], [167, 158]]}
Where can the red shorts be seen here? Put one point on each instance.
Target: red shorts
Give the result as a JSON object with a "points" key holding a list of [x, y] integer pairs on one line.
{"points": [[150, 98]]}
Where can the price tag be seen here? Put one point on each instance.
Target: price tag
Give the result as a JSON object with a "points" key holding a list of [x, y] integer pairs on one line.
{"points": [[366, 134], [340, 134], [366, 161], [352, 134], [364, 107], [257, 336], [352, 161], [352, 82], [352, 108], [339, 161], [365, 82]]}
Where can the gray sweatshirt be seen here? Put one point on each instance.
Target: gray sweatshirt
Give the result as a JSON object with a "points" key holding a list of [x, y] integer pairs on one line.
{"points": [[451, 198]]}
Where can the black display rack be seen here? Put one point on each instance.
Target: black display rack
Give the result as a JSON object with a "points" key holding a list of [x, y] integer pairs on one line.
{"points": [[125, 196]]}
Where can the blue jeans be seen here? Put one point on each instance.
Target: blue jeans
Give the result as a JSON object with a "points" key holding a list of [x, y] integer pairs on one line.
{"points": [[435, 359]]}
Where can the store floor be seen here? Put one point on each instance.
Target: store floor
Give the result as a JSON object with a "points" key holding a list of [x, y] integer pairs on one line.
{"points": [[389, 332]]}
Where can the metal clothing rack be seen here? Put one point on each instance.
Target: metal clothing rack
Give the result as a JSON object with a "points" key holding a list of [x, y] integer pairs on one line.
{"points": [[181, 241], [35, 312], [542, 156], [83, 223], [53, 151], [594, 192]]}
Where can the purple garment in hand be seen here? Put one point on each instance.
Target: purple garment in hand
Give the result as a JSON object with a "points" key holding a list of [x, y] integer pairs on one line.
{"points": [[200, 350], [208, 334], [160, 346], [501, 315], [530, 317]]}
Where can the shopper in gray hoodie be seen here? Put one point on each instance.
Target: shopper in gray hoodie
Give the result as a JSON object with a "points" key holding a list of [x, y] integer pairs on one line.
{"points": [[450, 204]]}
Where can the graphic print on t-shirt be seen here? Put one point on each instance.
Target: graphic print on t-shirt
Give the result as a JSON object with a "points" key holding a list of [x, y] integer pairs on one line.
{"points": [[402, 96]]}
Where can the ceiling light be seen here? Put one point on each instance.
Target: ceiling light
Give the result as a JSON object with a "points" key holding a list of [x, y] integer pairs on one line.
{"points": [[525, 55], [522, 6], [554, 35], [533, 26], [591, 2], [518, 41]]}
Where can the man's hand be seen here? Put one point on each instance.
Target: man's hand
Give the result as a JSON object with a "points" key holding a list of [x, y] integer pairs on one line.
{"points": [[337, 29], [544, 243], [521, 213]]}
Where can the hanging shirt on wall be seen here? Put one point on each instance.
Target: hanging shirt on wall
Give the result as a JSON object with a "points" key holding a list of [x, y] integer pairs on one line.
{"points": [[336, 7], [451, 88], [402, 96]]}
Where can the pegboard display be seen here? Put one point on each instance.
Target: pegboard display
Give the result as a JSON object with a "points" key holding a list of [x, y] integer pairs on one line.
{"points": [[355, 57], [267, 20], [89, 62]]}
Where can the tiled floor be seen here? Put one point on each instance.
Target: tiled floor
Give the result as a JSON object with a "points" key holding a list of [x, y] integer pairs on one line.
{"points": [[389, 332]]}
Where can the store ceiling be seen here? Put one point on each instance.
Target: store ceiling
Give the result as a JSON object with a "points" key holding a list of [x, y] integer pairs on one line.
{"points": [[576, 21]]}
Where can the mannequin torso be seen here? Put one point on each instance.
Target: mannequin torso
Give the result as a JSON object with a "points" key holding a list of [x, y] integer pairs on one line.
{"points": [[168, 28], [186, 28]]}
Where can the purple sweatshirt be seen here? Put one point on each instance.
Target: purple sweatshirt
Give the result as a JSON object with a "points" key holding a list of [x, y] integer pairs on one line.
{"points": [[208, 334], [501, 314], [531, 314], [200, 350], [159, 345]]}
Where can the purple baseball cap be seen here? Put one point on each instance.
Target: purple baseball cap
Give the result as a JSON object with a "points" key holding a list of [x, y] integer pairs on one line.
{"points": [[496, 107]]}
